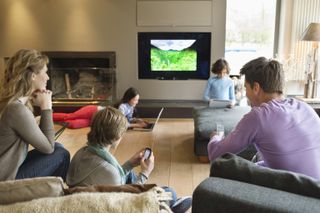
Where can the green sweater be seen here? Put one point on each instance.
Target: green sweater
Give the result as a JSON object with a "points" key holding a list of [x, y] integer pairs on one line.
{"points": [[18, 129]]}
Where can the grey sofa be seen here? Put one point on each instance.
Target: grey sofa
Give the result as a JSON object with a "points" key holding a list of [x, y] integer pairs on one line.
{"points": [[237, 185], [205, 119]]}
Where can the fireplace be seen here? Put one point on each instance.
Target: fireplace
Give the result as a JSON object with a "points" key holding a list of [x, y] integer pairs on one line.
{"points": [[82, 78]]}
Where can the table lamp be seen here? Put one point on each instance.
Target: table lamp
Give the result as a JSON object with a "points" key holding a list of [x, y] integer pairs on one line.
{"points": [[312, 33]]}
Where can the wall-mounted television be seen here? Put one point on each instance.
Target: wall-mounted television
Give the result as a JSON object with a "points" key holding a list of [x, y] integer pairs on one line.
{"points": [[174, 55]]}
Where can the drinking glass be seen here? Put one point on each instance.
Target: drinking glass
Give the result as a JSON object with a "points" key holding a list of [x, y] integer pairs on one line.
{"points": [[220, 129]]}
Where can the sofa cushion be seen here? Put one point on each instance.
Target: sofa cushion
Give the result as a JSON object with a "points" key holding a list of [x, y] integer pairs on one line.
{"points": [[27, 189], [111, 202], [232, 167]]}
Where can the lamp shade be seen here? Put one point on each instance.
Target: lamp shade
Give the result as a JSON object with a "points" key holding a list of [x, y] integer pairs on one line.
{"points": [[312, 33]]}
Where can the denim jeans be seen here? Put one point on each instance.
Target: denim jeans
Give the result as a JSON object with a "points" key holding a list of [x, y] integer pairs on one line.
{"points": [[174, 194], [132, 178], [38, 164]]}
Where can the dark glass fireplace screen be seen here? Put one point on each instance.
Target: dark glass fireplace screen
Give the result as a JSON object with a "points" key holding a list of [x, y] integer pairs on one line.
{"points": [[90, 83], [82, 78]]}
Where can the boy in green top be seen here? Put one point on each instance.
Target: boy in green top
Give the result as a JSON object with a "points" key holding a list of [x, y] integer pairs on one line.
{"points": [[94, 164]]}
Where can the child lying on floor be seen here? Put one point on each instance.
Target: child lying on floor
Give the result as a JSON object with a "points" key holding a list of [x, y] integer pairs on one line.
{"points": [[82, 117]]}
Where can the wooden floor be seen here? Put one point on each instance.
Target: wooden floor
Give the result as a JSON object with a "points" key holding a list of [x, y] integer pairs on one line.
{"points": [[172, 142]]}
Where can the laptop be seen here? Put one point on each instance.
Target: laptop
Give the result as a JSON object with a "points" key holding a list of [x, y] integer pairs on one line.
{"points": [[217, 103], [150, 126]]}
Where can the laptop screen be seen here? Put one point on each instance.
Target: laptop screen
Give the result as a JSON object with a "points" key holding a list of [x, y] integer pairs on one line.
{"points": [[158, 116]]}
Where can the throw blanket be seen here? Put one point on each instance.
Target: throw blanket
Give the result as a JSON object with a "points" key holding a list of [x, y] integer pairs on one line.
{"points": [[112, 202]]}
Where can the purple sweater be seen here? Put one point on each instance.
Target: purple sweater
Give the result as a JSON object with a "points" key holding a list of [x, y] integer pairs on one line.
{"points": [[285, 132]]}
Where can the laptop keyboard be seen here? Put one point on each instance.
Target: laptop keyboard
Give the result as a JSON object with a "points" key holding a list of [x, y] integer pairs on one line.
{"points": [[149, 126]]}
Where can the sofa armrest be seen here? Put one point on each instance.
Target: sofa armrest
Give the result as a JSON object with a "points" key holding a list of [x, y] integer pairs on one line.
{"points": [[13, 191], [223, 195], [230, 166]]}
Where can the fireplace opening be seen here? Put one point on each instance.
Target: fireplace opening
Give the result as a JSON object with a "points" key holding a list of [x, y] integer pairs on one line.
{"points": [[82, 78]]}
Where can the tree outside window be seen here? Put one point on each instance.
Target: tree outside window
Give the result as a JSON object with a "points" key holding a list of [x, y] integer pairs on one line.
{"points": [[250, 27]]}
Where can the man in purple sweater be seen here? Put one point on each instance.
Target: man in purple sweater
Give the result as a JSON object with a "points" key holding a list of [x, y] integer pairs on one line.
{"points": [[285, 131]]}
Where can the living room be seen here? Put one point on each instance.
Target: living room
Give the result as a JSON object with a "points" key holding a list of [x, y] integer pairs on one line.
{"points": [[113, 26], [106, 25]]}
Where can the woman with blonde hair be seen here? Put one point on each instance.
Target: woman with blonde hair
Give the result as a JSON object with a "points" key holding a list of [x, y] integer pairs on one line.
{"points": [[24, 86]]}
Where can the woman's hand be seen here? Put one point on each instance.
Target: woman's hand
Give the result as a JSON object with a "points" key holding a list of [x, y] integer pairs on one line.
{"points": [[147, 165], [136, 158], [42, 99]]}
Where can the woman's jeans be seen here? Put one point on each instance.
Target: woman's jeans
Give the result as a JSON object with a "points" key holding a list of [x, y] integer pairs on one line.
{"points": [[38, 164]]}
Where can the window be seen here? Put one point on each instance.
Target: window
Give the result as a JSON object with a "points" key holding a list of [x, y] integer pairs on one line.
{"points": [[250, 30]]}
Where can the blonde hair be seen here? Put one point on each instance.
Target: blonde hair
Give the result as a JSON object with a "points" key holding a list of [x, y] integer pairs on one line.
{"points": [[107, 126], [17, 81]]}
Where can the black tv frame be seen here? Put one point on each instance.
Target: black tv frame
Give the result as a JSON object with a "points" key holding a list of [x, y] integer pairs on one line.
{"points": [[202, 45]]}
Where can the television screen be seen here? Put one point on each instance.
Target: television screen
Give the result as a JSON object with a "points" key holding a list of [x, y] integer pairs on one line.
{"points": [[174, 55]]}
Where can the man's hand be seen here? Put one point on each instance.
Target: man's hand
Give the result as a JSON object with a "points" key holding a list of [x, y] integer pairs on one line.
{"points": [[213, 133]]}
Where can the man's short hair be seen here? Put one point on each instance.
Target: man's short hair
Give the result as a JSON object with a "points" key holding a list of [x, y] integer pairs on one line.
{"points": [[267, 72], [107, 126]]}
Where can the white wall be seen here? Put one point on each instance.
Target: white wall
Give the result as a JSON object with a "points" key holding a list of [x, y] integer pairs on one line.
{"points": [[100, 25]]}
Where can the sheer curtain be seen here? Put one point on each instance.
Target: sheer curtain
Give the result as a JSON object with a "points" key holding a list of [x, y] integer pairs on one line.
{"points": [[296, 54]]}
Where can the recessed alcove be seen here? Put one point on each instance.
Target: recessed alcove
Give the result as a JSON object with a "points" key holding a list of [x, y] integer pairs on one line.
{"points": [[82, 78]]}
